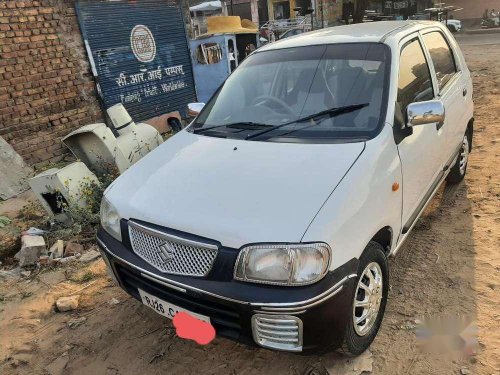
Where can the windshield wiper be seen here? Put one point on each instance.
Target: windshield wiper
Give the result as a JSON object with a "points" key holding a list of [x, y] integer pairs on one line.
{"points": [[243, 125], [332, 112]]}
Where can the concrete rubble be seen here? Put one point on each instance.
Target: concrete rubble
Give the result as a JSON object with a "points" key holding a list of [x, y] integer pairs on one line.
{"points": [[72, 249], [26, 273], [34, 252], [57, 250], [11, 275], [70, 303], [31, 249], [67, 260], [89, 256], [13, 172]]}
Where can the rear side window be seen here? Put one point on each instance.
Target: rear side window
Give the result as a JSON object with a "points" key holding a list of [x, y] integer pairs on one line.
{"points": [[442, 57], [415, 83]]}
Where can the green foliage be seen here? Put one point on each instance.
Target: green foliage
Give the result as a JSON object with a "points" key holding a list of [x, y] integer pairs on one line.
{"points": [[4, 221], [85, 277]]}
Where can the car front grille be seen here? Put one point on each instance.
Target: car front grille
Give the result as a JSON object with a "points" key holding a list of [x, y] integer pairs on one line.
{"points": [[171, 254], [281, 332]]}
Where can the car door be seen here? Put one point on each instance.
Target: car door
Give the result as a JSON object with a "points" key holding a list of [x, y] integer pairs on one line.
{"points": [[452, 91], [419, 152]]}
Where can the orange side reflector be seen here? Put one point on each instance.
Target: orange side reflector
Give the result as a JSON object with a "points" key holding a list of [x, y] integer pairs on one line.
{"points": [[395, 186]]}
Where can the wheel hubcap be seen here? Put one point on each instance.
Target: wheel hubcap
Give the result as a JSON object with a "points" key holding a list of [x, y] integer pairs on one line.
{"points": [[464, 155], [367, 299]]}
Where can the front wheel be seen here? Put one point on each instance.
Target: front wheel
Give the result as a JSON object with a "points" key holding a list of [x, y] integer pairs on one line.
{"points": [[457, 172], [369, 300]]}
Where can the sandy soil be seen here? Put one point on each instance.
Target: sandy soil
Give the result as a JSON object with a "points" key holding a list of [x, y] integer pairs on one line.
{"points": [[449, 268]]}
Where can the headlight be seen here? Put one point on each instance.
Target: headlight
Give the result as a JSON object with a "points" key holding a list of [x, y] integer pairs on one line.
{"points": [[299, 264], [110, 220]]}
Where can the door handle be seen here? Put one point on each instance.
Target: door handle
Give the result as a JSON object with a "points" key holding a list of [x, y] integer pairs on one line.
{"points": [[465, 92]]}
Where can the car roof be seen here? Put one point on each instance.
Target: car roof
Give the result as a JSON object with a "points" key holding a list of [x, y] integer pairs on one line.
{"points": [[373, 32]]}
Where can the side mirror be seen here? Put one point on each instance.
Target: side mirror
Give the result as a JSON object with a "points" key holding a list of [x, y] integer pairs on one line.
{"points": [[430, 112], [194, 109]]}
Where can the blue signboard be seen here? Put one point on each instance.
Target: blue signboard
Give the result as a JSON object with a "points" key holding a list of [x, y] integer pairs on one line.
{"points": [[139, 55]]}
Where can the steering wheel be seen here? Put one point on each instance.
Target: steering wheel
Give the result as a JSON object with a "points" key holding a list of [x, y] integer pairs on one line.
{"points": [[272, 99]]}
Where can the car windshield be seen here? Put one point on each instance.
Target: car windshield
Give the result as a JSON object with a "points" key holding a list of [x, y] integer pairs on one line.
{"points": [[317, 94]]}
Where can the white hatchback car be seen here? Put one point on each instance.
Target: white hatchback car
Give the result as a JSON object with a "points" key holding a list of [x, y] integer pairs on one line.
{"points": [[273, 214]]}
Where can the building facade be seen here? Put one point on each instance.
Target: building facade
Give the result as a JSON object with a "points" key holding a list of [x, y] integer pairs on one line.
{"points": [[404, 8], [253, 10], [46, 85], [63, 62], [325, 12]]}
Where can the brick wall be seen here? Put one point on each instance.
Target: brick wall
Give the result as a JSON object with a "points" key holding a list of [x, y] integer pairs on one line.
{"points": [[46, 86]]}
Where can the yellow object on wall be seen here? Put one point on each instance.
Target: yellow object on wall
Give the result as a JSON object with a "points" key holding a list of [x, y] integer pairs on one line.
{"points": [[230, 25]]}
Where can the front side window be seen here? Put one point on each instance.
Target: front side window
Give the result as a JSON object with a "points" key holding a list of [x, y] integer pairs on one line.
{"points": [[442, 57], [326, 93], [415, 82]]}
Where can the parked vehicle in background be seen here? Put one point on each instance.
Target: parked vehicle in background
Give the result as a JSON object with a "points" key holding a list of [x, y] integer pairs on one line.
{"points": [[272, 216], [453, 25], [291, 32]]}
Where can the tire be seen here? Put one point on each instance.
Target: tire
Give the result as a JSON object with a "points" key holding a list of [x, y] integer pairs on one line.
{"points": [[459, 169], [452, 28], [359, 337]]}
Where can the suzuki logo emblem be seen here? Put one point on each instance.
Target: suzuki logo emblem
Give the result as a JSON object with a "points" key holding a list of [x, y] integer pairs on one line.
{"points": [[166, 252]]}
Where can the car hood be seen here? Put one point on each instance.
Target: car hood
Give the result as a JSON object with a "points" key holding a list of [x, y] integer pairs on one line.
{"points": [[233, 191]]}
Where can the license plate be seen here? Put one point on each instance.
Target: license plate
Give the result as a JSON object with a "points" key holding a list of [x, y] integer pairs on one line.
{"points": [[165, 308]]}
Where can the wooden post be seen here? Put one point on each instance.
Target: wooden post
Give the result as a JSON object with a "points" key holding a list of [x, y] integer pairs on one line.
{"points": [[254, 8]]}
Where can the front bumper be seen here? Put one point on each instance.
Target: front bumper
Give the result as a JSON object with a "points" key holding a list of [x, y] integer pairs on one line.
{"points": [[321, 310]]}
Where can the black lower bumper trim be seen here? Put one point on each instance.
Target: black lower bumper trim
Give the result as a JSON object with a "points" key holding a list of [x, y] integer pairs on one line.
{"points": [[224, 318], [324, 322]]}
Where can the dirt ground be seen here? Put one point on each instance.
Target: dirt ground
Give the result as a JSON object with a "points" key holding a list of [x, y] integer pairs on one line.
{"points": [[449, 268]]}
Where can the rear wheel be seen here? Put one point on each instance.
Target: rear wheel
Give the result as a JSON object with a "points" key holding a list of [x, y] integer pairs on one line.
{"points": [[457, 172], [369, 300]]}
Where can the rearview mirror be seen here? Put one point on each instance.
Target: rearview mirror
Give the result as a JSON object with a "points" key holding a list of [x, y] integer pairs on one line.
{"points": [[194, 109], [430, 112]]}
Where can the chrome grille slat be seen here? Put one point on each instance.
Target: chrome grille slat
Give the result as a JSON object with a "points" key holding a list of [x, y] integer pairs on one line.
{"points": [[274, 333], [275, 327], [280, 339], [278, 332], [171, 254]]}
